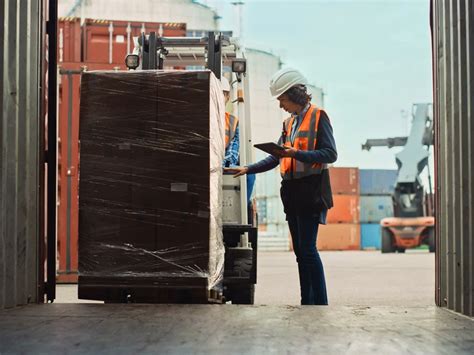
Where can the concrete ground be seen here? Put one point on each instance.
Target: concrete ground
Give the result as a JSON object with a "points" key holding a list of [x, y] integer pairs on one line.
{"points": [[366, 278], [378, 304]]}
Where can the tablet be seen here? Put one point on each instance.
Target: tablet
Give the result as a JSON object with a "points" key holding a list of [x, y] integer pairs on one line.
{"points": [[269, 148]]}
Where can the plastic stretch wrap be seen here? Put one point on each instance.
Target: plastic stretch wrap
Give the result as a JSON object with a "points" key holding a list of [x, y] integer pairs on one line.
{"points": [[151, 147]]}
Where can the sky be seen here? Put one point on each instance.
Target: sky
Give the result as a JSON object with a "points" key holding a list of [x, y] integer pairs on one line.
{"points": [[372, 58]]}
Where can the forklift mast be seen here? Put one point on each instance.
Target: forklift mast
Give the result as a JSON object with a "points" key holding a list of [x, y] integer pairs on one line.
{"points": [[213, 52]]}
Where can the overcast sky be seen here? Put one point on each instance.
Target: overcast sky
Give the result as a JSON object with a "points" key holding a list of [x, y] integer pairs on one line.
{"points": [[373, 59]]}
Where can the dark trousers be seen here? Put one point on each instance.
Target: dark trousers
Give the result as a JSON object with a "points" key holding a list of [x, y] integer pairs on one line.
{"points": [[304, 231]]}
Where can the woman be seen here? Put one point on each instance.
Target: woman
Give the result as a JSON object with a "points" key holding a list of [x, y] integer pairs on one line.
{"points": [[305, 191]]}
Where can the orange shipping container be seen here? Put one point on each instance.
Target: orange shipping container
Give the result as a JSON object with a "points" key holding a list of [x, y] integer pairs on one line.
{"points": [[344, 181], [341, 236], [345, 210]]}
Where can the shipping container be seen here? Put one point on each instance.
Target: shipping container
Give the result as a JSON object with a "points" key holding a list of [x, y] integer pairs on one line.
{"points": [[345, 210], [453, 73], [271, 241], [370, 236], [69, 39], [344, 181], [374, 208], [106, 41], [196, 15], [377, 181], [22, 156], [340, 236]]}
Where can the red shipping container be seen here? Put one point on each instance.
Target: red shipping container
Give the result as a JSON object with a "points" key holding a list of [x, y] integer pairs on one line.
{"points": [[110, 41], [68, 165], [345, 210], [69, 39], [341, 236], [344, 181]]}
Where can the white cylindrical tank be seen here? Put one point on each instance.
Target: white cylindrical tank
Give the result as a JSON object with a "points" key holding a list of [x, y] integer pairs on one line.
{"points": [[267, 119], [196, 16], [318, 95]]}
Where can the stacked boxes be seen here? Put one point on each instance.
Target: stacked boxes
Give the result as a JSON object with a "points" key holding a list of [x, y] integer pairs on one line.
{"points": [[342, 230], [150, 186], [376, 188]]}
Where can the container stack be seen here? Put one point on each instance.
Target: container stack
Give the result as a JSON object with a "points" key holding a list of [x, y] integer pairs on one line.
{"points": [[376, 189], [342, 231]]}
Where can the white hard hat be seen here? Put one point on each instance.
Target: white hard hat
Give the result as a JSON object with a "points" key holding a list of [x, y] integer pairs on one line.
{"points": [[285, 79], [225, 84]]}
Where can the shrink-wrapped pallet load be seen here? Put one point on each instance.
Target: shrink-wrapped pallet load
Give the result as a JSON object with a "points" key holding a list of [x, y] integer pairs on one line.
{"points": [[151, 149]]}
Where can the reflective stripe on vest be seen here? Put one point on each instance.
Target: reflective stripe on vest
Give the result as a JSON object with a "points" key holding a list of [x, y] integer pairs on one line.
{"points": [[305, 139], [230, 127]]}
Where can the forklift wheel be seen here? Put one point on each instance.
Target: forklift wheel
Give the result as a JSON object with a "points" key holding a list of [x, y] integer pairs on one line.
{"points": [[243, 294], [387, 246]]}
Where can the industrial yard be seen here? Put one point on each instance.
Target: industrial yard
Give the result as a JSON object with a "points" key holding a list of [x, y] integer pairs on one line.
{"points": [[236, 177]]}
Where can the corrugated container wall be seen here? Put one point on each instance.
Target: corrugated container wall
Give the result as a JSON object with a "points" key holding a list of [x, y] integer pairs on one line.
{"points": [[453, 59], [339, 236], [374, 208], [377, 181], [344, 181], [20, 72], [370, 236], [195, 15]]}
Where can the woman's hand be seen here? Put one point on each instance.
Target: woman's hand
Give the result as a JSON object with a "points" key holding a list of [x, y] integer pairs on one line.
{"points": [[237, 171], [288, 152]]}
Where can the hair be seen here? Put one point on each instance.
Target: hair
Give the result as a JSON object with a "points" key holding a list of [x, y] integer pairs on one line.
{"points": [[299, 95]]}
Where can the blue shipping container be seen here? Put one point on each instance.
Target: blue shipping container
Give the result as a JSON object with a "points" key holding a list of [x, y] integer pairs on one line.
{"points": [[375, 208], [377, 181], [370, 236]]}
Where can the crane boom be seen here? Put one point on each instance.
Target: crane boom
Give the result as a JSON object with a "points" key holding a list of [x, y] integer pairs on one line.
{"points": [[411, 161]]}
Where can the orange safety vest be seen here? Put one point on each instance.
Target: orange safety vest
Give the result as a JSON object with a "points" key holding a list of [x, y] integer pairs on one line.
{"points": [[231, 123], [305, 139]]}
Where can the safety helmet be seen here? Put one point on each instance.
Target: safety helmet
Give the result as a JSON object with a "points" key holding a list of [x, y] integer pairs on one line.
{"points": [[285, 79], [225, 84]]}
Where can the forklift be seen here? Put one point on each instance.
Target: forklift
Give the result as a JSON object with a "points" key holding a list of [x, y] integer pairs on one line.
{"points": [[239, 220], [413, 223]]}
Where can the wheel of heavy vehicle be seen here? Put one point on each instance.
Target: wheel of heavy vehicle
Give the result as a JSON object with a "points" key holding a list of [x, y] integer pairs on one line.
{"points": [[243, 294], [401, 250], [243, 267], [387, 246], [431, 240]]}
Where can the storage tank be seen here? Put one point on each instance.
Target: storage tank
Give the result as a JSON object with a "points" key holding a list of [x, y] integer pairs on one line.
{"points": [[196, 16], [266, 126], [318, 95]]}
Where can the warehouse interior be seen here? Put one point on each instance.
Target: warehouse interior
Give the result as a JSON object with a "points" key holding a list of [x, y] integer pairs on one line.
{"points": [[373, 302]]}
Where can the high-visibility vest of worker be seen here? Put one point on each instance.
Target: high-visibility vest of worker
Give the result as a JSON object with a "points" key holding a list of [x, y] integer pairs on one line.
{"points": [[232, 139], [308, 146]]}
